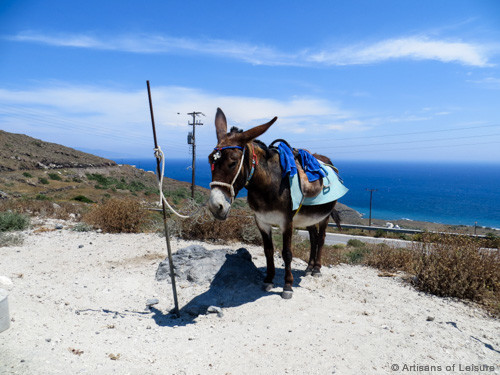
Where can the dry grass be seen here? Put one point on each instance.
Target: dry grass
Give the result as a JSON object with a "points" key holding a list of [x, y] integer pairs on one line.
{"points": [[386, 258], [459, 267], [43, 208], [239, 227], [444, 265], [118, 216]]}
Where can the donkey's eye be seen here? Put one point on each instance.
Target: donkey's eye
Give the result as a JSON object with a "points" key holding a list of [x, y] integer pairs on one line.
{"points": [[232, 165]]}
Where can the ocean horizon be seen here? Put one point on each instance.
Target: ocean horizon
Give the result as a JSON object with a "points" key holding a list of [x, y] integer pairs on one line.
{"points": [[439, 192]]}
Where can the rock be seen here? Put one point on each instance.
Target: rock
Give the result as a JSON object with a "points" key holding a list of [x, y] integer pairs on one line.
{"points": [[194, 264], [80, 246], [59, 226], [3, 195], [152, 301], [215, 310], [430, 318]]}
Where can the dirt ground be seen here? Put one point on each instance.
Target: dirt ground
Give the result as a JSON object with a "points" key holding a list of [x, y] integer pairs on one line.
{"points": [[78, 306]]}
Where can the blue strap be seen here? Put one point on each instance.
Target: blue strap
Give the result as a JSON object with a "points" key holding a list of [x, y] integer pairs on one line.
{"points": [[227, 147]]}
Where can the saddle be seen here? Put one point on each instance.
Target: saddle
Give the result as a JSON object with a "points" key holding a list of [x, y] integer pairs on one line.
{"points": [[309, 189]]}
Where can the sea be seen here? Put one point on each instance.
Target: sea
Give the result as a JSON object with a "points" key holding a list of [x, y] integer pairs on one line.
{"points": [[446, 193]]}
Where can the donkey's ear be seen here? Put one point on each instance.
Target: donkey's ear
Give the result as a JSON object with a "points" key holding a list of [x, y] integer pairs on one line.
{"points": [[255, 132], [220, 125]]}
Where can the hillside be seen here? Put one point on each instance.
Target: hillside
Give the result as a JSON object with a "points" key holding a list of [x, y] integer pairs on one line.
{"points": [[33, 170], [21, 152]]}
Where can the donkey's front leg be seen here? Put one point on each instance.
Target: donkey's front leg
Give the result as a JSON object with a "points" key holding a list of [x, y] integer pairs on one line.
{"points": [[267, 240], [287, 258]]}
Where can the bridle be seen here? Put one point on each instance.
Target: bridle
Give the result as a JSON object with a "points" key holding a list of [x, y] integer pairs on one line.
{"points": [[250, 175]]}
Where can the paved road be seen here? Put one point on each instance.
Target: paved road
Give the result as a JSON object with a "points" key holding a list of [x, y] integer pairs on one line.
{"points": [[335, 238]]}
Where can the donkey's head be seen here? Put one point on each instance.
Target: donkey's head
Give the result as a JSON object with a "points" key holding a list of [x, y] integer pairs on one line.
{"points": [[229, 174]]}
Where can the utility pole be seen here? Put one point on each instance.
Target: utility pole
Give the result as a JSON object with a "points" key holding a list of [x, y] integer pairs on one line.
{"points": [[192, 142], [371, 198]]}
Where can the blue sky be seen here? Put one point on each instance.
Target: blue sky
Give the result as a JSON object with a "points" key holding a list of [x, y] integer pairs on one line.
{"points": [[355, 80]]}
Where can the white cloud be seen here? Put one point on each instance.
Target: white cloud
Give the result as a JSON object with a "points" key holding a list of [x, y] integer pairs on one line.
{"points": [[144, 43], [413, 47], [116, 120]]}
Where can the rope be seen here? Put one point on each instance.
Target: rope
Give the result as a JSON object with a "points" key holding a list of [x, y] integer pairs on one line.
{"points": [[160, 156]]}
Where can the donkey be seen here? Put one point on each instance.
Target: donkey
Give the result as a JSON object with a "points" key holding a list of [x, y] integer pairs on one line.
{"points": [[238, 161]]}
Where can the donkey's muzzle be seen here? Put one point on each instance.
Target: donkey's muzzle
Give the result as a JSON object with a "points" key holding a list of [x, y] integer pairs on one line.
{"points": [[219, 204]]}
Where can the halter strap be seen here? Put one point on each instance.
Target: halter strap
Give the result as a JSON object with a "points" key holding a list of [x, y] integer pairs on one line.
{"points": [[252, 170], [225, 184], [225, 148]]}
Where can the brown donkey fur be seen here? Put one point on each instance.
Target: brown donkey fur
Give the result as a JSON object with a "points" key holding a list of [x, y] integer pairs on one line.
{"points": [[268, 195]]}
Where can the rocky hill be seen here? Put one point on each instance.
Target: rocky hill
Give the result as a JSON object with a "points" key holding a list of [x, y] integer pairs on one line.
{"points": [[20, 152]]}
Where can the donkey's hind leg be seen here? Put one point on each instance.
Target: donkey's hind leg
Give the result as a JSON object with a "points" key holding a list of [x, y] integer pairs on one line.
{"points": [[320, 242], [313, 238]]}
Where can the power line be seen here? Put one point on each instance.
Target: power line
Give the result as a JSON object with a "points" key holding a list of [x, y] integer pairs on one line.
{"points": [[414, 141], [422, 148]]}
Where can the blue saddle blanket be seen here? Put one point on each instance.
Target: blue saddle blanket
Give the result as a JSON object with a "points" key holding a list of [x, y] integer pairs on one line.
{"points": [[310, 164], [333, 189]]}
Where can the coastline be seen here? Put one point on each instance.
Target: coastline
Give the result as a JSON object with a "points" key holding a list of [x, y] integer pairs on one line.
{"points": [[351, 216]]}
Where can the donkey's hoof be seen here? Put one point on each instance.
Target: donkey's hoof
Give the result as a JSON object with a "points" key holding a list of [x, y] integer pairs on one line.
{"points": [[317, 273], [309, 271], [287, 294], [268, 287]]}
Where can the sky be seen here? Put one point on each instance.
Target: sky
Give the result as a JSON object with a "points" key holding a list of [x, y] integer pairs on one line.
{"points": [[354, 80]]}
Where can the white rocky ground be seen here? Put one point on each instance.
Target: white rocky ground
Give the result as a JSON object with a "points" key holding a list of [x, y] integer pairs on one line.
{"points": [[77, 304]]}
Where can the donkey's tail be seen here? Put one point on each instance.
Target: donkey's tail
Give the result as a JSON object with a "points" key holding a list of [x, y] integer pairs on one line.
{"points": [[336, 217]]}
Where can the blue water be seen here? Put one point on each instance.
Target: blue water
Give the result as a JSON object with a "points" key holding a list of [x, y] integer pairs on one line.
{"points": [[448, 193]]}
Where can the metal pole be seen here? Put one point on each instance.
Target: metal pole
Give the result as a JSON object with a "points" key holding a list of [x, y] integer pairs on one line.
{"points": [[165, 225]]}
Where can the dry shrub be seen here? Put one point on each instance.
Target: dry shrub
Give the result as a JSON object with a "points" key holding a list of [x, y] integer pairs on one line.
{"points": [[387, 258], [118, 216], [459, 267], [239, 227]]}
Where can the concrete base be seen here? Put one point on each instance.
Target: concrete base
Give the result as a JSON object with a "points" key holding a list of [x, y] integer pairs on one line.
{"points": [[4, 311]]}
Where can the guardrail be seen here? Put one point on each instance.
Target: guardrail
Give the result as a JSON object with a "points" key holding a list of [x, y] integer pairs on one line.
{"points": [[366, 227], [397, 230]]}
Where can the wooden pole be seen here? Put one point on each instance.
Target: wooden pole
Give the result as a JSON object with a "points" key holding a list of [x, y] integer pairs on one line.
{"points": [[371, 196], [165, 224]]}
